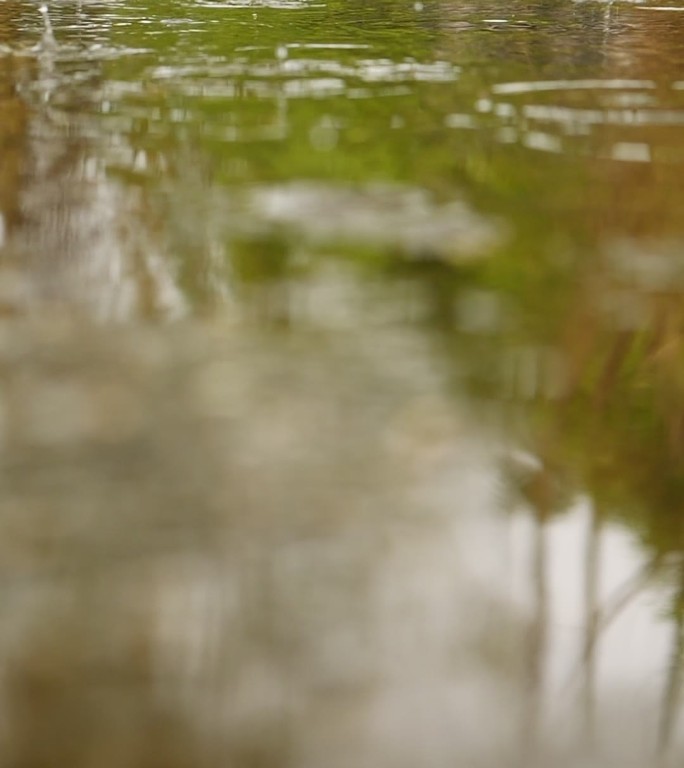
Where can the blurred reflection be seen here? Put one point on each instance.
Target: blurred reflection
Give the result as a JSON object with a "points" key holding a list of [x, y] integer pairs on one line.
{"points": [[404, 488], [71, 236], [276, 552], [12, 128]]}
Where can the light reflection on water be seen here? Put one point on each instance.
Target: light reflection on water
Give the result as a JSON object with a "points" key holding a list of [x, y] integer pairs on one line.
{"points": [[341, 387]]}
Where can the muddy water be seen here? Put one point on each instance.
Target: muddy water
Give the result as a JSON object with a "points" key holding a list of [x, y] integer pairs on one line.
{"points": [[342, 396]]}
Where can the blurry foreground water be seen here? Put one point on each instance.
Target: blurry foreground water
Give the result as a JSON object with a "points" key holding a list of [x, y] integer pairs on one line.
{"points": [[226, 547], [341, 384]]}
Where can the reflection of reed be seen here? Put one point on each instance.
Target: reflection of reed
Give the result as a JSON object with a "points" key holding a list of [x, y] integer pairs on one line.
{"points": [[538, 637], [613, 607], [591, 626], [673, 683], [538, 494], [623, 407]]}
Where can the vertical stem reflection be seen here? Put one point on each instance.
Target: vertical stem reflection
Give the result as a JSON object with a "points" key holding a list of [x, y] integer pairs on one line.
{"points": [[591, 625], [673, 683], [536, 647]]}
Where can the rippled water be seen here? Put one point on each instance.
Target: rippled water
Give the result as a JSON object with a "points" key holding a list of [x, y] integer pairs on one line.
{"points": [[341, 383]]}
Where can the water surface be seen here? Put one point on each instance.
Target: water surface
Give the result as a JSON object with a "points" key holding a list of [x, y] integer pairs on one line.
{"points": [[342, 407]]}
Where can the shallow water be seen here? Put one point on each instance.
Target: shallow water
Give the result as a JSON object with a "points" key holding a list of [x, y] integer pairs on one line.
{"points": [[342, 383]]}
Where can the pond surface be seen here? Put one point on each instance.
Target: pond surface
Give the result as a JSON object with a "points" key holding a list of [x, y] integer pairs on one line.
{"points": [[341, 383]]}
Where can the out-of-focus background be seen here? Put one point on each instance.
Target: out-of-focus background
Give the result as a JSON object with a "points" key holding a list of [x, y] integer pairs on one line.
{"points": [[341, 384]]}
